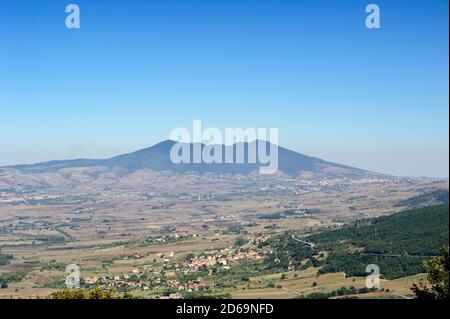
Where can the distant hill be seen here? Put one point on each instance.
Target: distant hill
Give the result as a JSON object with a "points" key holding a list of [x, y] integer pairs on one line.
{"points": [[395, 243], [157, 158]]}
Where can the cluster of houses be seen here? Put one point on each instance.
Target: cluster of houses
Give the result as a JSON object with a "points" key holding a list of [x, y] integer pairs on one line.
{"points": [[169, 238], [127, 282], [12, 198], [156, 279], [218, 259]]}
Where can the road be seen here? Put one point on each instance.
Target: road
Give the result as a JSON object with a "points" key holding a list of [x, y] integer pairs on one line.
{"points": [[309, 244]]}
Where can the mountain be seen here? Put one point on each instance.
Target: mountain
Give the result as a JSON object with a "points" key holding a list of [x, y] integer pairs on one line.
{"points": [[157, 158]]}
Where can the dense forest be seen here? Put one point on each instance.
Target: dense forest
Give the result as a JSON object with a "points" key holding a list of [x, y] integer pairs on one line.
{"points": [[396, 243]]}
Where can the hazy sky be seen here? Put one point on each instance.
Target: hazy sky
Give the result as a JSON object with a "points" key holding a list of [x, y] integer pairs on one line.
{"points": [[374, 99]]}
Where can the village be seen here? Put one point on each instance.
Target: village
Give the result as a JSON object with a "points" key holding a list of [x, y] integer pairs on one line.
{"points": [[171, 277]]}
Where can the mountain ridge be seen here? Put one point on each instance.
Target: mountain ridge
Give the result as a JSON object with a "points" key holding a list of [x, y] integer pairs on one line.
{"points": [[157, 157]]}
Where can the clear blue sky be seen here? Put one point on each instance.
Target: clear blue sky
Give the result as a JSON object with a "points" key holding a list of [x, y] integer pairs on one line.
{"points": [[375, 99]]}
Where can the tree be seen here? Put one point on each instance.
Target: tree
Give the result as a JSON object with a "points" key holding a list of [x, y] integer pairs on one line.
{"points": [[438, 278], [127, 295], [94, 293]]}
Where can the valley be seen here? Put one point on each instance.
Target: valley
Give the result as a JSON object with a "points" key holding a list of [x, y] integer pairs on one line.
{"points": [[168, 235]]}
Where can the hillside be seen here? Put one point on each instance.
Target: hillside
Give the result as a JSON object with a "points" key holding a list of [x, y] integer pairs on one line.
{"points": [[436, 197], [389, 241]]}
